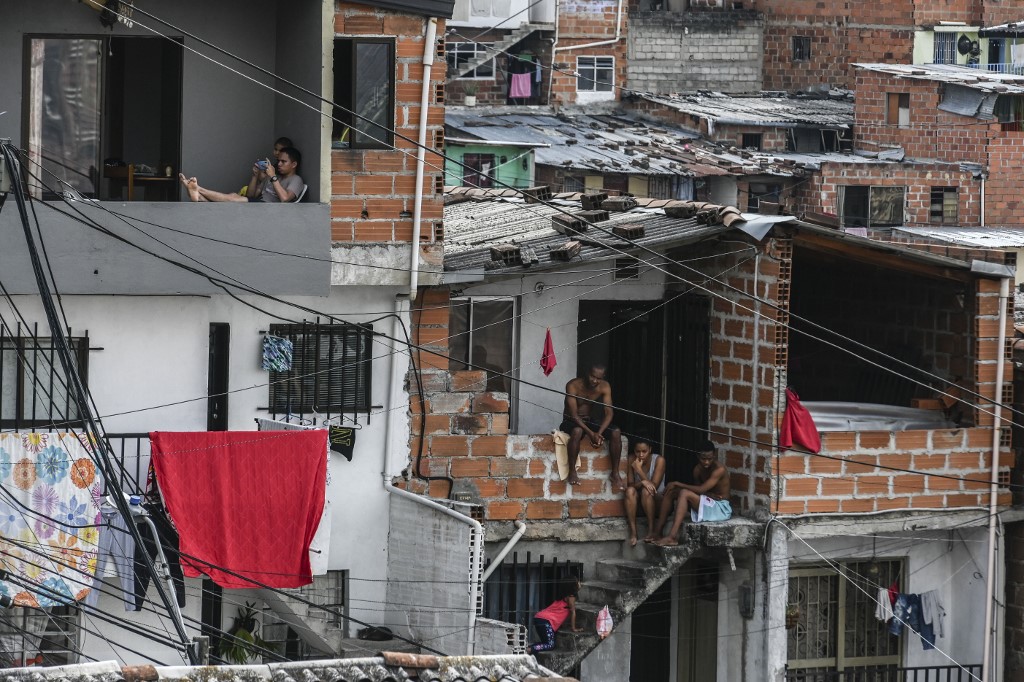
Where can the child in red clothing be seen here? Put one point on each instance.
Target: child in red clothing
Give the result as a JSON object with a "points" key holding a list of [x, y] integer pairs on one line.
{"points": [[547, 621]]}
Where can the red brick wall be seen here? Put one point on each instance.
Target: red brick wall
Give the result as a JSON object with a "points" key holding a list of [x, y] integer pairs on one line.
{"points": [[995, 12], [854, 484], [579, 23], [772, 139], [1003, 198], [820, 192], [495, 91], [372, 190], [841, 32], [930, 13]]}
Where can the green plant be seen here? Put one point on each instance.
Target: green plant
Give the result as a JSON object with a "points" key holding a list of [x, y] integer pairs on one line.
{"points": [[470, 89], [244, 641]]}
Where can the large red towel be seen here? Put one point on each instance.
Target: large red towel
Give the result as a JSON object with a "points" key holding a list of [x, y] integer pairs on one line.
{"points": [[547, 358], [246, 501], [798, 425]]}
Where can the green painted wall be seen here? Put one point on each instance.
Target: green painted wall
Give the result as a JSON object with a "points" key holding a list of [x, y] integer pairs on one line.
{"points": [[509, 171]]}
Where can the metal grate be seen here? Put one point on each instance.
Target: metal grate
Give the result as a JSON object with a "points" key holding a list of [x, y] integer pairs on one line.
{"points": [[519, 589], [331, 370], [38, 637], [33, 386]]}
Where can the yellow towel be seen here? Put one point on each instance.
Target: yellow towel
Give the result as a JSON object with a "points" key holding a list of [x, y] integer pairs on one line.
{"points": [[561, 439]]}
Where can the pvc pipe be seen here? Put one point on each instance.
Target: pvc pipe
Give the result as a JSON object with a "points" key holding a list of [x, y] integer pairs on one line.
{"points": [[520, 529], [993, 495], [396, 379], [983, 201], [417, 208]]}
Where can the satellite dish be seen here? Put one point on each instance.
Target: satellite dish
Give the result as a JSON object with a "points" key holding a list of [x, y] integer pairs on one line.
{"points": [[963, 45]]}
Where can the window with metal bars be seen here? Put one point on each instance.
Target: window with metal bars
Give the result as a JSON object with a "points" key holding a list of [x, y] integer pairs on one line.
{"points": [[944, 48], [944, 206], [33, 385], [831, 619], [38, 637], [518, 589], [331, 370]]}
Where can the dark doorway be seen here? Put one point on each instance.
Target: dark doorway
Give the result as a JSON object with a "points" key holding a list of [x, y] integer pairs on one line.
{"points": [[650, 656], [217, 383], [626, 336], [697, 602], [687, 376]]}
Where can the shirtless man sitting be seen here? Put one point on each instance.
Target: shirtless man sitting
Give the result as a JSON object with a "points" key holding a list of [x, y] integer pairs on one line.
{"points": [[708, 500], [581, 395]]}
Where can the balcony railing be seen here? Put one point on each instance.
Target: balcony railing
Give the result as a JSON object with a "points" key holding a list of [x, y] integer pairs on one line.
{"points": [[1017, 69], [934, 673]]}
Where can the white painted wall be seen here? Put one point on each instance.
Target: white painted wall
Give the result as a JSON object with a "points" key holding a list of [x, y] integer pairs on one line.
{"points": [[486, 13], [556, 305], [155, 352]]}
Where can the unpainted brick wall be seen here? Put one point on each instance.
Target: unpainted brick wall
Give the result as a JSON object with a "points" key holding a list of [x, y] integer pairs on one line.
{"points": [[853, 483], [372, 190], [820, 193], [841, 32], [494, 91], [581, 22], [686, 51]]}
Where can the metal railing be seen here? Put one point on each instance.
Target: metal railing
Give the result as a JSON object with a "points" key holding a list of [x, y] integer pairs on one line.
{"points": [[1017, 69], [518, 589], [934, 673], [131, 459]]}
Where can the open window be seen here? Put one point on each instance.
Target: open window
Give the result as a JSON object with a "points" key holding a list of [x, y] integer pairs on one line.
{"points": [[96, 103], [364, 91], [477, 170], [897, 109], [483, 337], [871, 206], [801, 48], [944, 206]]}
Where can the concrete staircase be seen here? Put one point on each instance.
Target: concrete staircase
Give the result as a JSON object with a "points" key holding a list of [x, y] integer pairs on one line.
{"points": [[622, 585], [309, 623], [508, 42]]}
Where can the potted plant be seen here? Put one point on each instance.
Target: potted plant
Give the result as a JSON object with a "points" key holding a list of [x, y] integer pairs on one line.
{"points": [[792, 615], [469, 91], [243, 641]]}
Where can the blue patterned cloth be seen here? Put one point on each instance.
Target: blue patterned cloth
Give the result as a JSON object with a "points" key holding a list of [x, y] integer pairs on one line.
{"points": [[277, 353]]}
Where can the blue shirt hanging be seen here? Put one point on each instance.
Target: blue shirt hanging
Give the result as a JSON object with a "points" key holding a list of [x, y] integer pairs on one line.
{"points": [[277, 353]]}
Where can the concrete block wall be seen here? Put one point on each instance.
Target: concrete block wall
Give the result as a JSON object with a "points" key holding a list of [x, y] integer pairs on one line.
{"points": [[821, 191], [686, 51], [852, 483], [372, 190]]}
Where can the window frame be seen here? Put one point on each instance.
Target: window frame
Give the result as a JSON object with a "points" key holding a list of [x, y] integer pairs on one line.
{"points": [[46, 380], [454, 48], [594, 68], [484, 180], [514, 332], [345, 135], [897, 109], [800, 49], [942, 216], [67, 622], [871, 189], [944, 51], [280, 390], [757, 138], [765, 190]]}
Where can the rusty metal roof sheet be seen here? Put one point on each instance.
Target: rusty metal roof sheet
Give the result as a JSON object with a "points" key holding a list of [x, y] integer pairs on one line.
{"points": [[976, 79], [766, 109], [612, 142]]}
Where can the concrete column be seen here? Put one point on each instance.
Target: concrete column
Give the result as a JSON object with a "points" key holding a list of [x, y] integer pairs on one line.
{"points": [[775, 584]]}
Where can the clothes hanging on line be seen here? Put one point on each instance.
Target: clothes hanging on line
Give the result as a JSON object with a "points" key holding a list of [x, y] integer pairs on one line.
{"points": [[116, 558], [907, 611], [277, 353], [798, 426], [51, 473], [548, 361], [246, 504], [320, 545], [167, 536], [883, 611], [932, 611]]}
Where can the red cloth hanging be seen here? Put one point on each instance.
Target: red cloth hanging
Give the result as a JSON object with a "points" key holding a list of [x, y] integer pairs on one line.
{"points": [[798, 425], [246, 501], [547, 358]]}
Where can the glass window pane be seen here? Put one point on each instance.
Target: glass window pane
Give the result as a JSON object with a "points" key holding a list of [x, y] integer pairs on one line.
{"points": [[64, 112], [373, 92], [458, 331], [492, 341]]}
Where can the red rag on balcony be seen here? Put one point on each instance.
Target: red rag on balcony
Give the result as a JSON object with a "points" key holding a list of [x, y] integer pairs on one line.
{"points": [[547, 358], [246, 501], [798, 425]]}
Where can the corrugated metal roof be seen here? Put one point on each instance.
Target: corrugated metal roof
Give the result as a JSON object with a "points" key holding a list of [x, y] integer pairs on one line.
{"points": [[979, 237], [473, 227], [608, 143], [386, 667], [1013, 28], [762, 110], [976, 79]]}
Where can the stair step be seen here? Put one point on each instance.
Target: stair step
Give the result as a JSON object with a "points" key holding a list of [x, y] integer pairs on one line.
{"points": [[628, 571], [602, 592]]}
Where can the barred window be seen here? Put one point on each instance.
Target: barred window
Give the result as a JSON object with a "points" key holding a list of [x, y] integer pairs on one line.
{"points": [[801, 48], [33, 385], [38, 637], [331, 369]]}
